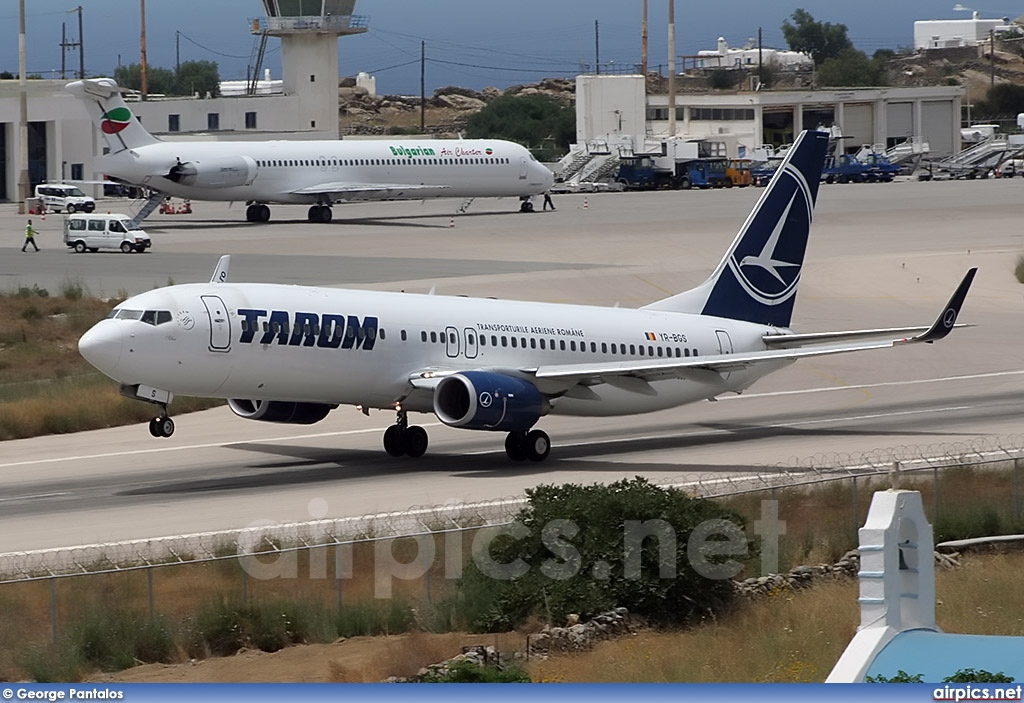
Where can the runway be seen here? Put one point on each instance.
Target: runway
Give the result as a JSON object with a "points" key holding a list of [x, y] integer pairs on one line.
{"points": [[880, 255]]}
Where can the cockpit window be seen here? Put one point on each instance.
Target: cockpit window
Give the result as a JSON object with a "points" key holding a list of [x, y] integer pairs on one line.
{"points": [[129, 314], [156, 317]]}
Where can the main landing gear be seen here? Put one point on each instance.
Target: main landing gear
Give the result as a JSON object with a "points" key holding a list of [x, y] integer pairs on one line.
{"points": [[320, 213], [402, 440], [257, 212], [534, 445], [161, 426]]}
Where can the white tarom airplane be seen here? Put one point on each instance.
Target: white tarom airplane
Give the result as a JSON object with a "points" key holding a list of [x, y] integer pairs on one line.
{"points": [[292, 354], [319, 172]]}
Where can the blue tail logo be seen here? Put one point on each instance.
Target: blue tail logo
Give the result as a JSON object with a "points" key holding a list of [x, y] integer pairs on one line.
{"points": [[758, 279]]}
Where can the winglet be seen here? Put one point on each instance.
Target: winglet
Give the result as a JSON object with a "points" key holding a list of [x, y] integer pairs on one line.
{"points": [[944, 323], [220, 274]]}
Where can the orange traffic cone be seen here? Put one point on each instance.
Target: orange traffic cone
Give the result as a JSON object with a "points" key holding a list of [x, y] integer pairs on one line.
{"points": [[585, 205], [451, 222]]}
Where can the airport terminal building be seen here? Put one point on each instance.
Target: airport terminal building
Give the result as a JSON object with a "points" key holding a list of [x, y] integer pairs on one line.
{"points": [[615, 107]]}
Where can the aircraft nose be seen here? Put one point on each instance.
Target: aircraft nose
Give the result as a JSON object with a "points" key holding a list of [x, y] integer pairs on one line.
{"points": [[101, 346], [548, 177]]}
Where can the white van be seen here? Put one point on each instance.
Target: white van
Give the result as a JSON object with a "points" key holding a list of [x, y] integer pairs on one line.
{"points": [[60, 196], [110, 231]]}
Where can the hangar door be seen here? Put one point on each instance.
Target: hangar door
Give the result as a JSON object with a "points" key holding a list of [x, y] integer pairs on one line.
{"points": [[858, 125], [899, 123], [939, 125]]}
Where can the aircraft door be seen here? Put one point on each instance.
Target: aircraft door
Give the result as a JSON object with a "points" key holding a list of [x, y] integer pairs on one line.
{"points": [[220, 328], [724, 347], [523, 166], [451, 342], [471, 342]]}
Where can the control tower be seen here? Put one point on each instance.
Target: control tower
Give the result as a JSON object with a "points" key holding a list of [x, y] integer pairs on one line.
{"points": [[309, 31]]}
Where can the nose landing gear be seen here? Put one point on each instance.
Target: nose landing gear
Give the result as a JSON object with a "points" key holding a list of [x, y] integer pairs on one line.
{"points": [[162, 426]]}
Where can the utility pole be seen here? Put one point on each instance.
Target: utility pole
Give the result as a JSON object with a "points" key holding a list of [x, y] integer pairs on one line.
{"points": [[65, 45], [643, 42], [423, 86], [23, 113], [81, 46], [177, 54], [760, 60], [992, 57], [671, 68], [597, 49], [142, 46]]}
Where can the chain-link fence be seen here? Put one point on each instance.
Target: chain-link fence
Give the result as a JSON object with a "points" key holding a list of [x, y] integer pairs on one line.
{"points": [[415, 555]]}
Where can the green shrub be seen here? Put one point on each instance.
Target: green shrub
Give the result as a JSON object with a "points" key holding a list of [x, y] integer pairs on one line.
{"points": [[977, 676], [379, 618], [595, 569], [900, 677], [116, 640], [225, 628], [1018, 270], [468, 672]]}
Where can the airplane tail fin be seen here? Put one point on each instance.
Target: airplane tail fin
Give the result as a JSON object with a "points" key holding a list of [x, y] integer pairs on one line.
{"points": [[111, 115], [757, 279]]}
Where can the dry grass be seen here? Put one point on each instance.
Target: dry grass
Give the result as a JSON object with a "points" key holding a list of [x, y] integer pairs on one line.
{"points": [[793, 637], [46, 387]]}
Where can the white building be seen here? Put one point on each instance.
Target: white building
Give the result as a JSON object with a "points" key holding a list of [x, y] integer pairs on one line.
{"points": [[946, 34], [727, 57], [610, 107]]}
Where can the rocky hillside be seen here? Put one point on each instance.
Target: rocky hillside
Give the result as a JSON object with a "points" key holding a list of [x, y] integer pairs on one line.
{"points": [[447, 110]]}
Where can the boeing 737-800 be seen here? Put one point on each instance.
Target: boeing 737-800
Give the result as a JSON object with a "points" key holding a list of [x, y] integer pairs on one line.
{"points": [[321, 173], [292, 354]]}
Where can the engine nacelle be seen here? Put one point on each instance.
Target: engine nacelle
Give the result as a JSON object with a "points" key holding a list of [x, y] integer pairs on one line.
{"points": [[482, 400], [222, 172], [280, 411]]}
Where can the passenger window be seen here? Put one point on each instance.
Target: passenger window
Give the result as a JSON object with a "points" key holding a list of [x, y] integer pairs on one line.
{"points": [[494, 340], [614, 348], [433, 337], [404, 336], [679, 352], [423, 336], [641, 350], [572, 345], [96, 225], [504, 341], [686, 352], [593, 347], [77, 225], [381, 333], [483, 340], [632, 349], [533, 342], [116, 226], [561, 344], [696, 353], [469, 339], [514, 343], [604, 347], [542, 343]]}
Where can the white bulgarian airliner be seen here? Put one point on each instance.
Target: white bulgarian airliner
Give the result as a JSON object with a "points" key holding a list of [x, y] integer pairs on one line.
{"points": [[292, 354], [320, 173]]}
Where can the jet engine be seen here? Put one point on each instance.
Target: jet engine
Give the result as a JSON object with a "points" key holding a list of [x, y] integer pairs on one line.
{"points": [[222, 172], [286, 413], [483, 400]]}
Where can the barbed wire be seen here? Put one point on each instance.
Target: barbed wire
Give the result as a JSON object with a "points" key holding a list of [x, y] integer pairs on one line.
{"points": [[199, 547]]}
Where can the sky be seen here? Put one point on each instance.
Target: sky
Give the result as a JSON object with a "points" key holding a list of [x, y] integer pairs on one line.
{"points": [[468, 43]]}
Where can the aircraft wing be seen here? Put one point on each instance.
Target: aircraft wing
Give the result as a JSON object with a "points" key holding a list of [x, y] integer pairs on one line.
{"points": [[339, 190], [635, 372]]}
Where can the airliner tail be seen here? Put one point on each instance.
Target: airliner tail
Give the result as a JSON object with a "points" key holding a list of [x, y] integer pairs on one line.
{"points": [[111, 115], [757, 279]]}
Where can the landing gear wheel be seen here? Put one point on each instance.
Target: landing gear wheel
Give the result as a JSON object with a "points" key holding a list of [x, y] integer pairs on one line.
{"points": [[537, 445], [515, 446], [527, 206], [313, 215], [415, 441], [394, 441], [252, 213], [161, 427], [325, 214]]}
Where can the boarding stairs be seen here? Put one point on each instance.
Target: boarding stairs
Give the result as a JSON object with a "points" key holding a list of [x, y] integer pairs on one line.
{"points": [[908, 153], [571, 163], [979, 158], [151, 204]]}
